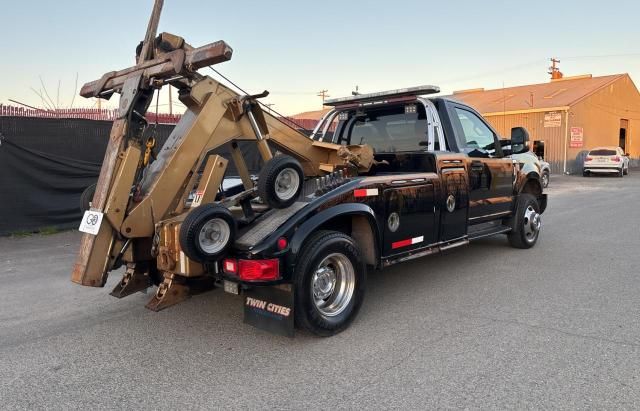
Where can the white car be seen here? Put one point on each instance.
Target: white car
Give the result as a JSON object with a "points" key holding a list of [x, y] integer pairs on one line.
{"points": [[606, 160]]}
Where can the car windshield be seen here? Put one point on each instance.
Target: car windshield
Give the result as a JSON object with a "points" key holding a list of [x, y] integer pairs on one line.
{"points": [[602, 152], [389, 129]]}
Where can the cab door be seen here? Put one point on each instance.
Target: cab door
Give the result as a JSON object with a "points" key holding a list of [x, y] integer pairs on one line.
{"points": [[410, 214], [491, 176]]}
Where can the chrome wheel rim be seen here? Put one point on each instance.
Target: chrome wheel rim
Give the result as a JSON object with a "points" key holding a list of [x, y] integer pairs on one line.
{"points": [[214, 235], [287, 183], [532, 223], [333, 284], [545, 180]]}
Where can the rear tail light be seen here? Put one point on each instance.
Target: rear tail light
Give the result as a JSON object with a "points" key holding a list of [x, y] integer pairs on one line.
{"points": [[259, 270], [252, 270], [588, 158], [616, 159]]}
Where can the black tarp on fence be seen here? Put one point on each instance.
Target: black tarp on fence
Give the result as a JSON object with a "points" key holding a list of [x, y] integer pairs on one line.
{"points": [[45, 164]]}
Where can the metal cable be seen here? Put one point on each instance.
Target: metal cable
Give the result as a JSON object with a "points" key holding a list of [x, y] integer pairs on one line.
{"points": [[262, 104]]}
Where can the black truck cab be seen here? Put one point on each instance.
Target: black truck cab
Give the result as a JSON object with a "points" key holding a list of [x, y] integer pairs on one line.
{"points": [[441, 178]]}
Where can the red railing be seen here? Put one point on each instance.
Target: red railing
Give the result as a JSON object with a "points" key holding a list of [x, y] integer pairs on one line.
{"points": [[85, 113], [111, 115]]}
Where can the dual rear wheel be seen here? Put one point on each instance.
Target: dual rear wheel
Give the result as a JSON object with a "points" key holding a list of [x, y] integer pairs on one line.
{"points": [[330, 283]]}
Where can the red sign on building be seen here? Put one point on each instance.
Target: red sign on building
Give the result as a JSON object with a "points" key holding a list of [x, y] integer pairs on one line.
{"points": [[577, 137]]}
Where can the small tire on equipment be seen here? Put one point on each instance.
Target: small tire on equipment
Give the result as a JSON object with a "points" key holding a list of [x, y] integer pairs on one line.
{"points": [[527, 225], [87, 197], [330, 283], [280, 181], [207, 232]]}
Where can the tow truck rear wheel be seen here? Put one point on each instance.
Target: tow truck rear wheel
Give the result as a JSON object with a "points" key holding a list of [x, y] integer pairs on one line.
{"points": [[207, 232], [280, 181], [527, 222], [330, 282]]}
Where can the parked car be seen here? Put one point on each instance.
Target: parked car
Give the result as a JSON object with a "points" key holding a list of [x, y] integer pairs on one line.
{"points": [[535, 162], [545, 173], [606, 160]]}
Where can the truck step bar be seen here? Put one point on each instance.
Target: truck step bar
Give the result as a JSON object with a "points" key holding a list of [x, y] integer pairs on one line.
{"points": [[487, 230]]}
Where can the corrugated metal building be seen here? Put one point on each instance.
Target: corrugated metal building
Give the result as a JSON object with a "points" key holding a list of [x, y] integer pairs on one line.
{"points": [[566, 117]]}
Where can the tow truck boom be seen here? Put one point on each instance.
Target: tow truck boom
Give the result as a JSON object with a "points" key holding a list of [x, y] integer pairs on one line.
{"points": [[135, 195]]}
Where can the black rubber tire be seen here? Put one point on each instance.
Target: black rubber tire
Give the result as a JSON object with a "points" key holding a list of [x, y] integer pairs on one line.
{"points": [[193, 223], [87, 197], [267, 180], [626, 171], [517, 237], [621, 172], [585, 173], [545, 182], [317, 247]]}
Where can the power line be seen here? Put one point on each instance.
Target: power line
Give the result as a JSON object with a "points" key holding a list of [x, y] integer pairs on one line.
{"points": [[602, 56], [493, 72]]}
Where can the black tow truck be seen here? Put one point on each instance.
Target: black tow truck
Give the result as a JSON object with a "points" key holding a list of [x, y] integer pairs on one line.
{"points": [[442, 178]]}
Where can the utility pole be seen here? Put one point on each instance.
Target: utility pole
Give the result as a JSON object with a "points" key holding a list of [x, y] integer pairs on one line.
{"points": [[170, 102], [324, 95], [356, 92], [555, 70]]}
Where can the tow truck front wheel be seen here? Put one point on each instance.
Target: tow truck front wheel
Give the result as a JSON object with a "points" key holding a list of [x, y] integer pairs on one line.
{"points": [[330, 282], [528, 222]]}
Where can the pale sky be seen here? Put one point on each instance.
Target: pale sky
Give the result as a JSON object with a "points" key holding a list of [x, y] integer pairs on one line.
{"points": [[296, 48]]}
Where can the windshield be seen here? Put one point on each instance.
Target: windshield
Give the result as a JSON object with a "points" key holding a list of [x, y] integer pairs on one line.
{"points": [[388, 129], [602, 152]]}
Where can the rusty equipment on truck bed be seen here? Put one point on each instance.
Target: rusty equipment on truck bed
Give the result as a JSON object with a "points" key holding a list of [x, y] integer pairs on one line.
{"points": [[140, 203]]}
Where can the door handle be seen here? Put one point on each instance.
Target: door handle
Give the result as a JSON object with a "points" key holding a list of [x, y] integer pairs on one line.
{"points": [[477, 166]]}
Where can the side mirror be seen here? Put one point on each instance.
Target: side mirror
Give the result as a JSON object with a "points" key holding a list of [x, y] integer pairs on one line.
{"points": [[519, 140]]}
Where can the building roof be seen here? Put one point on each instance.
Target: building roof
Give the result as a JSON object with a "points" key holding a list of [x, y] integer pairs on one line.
{"points": [[557, 93], [311, 115]]}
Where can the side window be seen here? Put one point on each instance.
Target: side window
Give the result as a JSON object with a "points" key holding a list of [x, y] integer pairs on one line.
{"points": [[475, 133]]}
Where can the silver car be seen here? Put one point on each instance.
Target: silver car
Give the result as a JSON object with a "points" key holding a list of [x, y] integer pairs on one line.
{"points": [[545, 172]]}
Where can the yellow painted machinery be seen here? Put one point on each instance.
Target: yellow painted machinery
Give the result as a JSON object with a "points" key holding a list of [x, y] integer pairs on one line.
{"points": [[142, 198]]}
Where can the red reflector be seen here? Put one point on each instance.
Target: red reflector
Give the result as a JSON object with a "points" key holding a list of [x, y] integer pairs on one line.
{"points": [[616, 159], [399, 244], [365, 192], [407, 242], [588, 159], [230, 266], [282, 243], [259, 270]]}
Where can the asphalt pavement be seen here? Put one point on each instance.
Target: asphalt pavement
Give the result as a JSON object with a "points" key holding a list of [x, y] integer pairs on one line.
{"points": [[486, 326]]}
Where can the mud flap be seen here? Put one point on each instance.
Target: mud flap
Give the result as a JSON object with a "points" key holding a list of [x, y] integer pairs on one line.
{"points": [[270, 309]]}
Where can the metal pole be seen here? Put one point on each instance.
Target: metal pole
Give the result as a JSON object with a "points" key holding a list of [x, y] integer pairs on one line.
{"points": [[566, 140], [152, 28], [263, 147]]}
